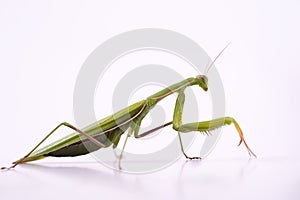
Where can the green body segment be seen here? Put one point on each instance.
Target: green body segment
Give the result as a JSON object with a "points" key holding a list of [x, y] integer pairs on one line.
{"points": [[205, 125], [174, 88], [177, 116], [85, 146]]}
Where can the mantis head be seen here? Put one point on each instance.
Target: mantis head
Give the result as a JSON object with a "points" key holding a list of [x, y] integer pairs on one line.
{"points": [[202, 81]]}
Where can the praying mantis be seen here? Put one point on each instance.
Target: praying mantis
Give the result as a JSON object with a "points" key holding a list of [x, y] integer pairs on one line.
{"points": [[108, 131]]}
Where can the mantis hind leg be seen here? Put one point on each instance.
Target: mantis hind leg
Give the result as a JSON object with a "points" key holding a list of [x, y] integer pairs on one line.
{"points": [[24, 159]]}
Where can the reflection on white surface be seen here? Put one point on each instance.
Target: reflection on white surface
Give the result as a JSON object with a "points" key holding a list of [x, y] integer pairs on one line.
{"points": [[263, 178]]}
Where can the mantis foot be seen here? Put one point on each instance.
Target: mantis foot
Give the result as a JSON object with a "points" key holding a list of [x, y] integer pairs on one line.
{"points": [[192, 158]]}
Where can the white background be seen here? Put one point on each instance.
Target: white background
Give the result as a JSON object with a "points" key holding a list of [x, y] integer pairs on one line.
{"points": [[44, 43]]}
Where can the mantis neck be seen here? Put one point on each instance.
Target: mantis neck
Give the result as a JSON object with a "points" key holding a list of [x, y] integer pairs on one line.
{"points": [[172, 89]]}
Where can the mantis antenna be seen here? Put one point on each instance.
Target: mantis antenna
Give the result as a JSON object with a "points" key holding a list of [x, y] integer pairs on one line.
{"points": [[211, 64]]}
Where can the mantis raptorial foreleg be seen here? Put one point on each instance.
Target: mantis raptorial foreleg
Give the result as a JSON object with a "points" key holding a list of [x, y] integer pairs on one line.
{"points": [[93, 140], [203, 127], [177, 119], [210, 125]]}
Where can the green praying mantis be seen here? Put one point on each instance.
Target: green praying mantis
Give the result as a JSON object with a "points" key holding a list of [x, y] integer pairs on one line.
{"points": [[108, 131]]}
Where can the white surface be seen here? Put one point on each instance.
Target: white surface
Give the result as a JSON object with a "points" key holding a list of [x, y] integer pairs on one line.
{"points": [[266, 178], [43, 45]]}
